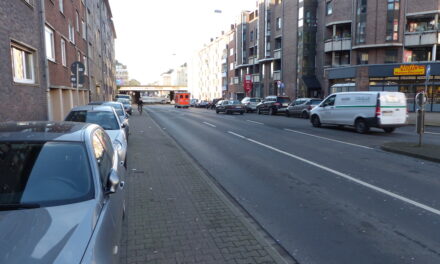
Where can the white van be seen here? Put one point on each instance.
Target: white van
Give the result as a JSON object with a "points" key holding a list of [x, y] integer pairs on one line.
{"points": [[362, 110]]}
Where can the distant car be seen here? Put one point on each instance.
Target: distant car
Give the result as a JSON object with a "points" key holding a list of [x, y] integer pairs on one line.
{"points": [[193, 102], [273, 105], [62, 196], [119, 108], [362, 110], [202, 104], [127, 105], [302, 106], [229, 107], [124, 96], [250, 103], [106, 117], [211, 105]]}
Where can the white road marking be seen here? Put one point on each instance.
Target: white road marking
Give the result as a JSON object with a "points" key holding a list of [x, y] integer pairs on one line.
{"points": [[433, 133], [334, 140], [345, 176], [255, 122], [206, 123]]}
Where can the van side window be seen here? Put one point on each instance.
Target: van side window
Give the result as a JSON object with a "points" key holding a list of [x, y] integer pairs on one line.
{"points": [[330, 101]]}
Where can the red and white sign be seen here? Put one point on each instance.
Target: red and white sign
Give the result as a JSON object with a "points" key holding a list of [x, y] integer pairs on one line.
{"points": [[247, 83]]}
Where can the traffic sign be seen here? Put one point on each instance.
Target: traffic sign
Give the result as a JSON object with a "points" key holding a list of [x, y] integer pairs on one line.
{"points": [[73, 79], [79, 67]]}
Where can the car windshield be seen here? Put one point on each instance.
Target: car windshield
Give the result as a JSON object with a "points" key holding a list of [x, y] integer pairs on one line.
{"points": [[44, 173], [124, 101], [105, 119], [118, 108], [255, 100], [283, 100], [234, 102], [315, 102]]}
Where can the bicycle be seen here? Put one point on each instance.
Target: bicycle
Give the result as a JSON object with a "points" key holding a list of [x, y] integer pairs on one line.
{"points": [[140, 108]]}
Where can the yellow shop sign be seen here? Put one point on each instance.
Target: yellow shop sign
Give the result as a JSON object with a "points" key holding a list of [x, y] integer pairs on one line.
{"points": [[410, 70]]}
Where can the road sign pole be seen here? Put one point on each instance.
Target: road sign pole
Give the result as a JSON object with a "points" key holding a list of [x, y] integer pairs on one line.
{"points": [[77, 84]]}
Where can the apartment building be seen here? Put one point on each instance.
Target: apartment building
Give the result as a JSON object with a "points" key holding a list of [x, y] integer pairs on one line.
{"points": [[23, 79], [207, 74], [310, 48]]}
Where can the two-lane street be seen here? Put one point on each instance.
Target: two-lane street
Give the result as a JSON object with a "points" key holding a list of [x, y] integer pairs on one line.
{"points": [[327, 195]]}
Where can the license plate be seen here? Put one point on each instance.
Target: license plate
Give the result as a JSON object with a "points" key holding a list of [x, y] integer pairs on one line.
{"points": [[387, 113], [285, 104]]}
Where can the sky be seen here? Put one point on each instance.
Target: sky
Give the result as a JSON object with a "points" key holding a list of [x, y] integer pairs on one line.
{"points": [[154, 36]]}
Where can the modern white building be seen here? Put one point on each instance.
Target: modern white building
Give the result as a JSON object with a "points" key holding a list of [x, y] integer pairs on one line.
{"points": [[205, 70]]}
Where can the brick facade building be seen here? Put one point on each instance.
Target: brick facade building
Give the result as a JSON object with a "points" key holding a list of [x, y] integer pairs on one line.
{"points": [[23, 79]]}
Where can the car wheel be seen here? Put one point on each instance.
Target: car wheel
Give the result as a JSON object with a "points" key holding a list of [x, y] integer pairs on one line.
{"points": [[287, 113], [315, 121], [389, 129], [271, 112], [241, 113], [216, 111], [258, 111], [228, 112], [305, 115], [361, 126]]}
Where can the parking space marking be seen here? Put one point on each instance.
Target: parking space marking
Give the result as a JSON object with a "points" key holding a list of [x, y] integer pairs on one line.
{"points": [[206, 123], [329, 139], [345, 176], [255, 122]]}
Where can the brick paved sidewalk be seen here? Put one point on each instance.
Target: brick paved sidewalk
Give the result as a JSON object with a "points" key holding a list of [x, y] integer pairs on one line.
{"points": [[176, 214]]}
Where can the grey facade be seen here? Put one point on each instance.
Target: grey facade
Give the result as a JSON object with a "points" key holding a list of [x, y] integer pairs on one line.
{"points": [[101, 37], [23, 82]]}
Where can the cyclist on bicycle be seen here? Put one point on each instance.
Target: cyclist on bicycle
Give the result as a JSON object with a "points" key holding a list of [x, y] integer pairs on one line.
{"points": [[140, 105]]}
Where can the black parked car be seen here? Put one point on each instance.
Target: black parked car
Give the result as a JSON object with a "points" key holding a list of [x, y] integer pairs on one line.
{"points": [[230, 107], [211, 105], [273, 105]]}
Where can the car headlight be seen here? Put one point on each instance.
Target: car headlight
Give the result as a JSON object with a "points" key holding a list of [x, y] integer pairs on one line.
{"points": [[118, 145]]}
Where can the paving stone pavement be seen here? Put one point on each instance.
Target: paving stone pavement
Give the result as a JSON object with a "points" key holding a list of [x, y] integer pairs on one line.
{"points": [[176, 214]]}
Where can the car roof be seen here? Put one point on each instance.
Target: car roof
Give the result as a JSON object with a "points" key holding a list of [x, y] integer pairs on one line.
{"points": [[98, 108], [43, 131]]}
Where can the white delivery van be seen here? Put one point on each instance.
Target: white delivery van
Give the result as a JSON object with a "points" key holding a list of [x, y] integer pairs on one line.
{"points": [[362, 110]]}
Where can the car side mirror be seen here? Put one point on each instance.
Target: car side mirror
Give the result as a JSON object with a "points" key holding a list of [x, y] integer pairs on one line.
{"points": [[112, 182]]}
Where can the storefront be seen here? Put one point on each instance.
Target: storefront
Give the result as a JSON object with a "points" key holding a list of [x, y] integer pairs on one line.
{"points": [[407, 78]]}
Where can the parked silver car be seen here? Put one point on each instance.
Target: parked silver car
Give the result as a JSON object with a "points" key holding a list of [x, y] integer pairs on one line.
{"points": [[62, 194], [106, 117], [119, 108], [302, 106], [250, 103]]}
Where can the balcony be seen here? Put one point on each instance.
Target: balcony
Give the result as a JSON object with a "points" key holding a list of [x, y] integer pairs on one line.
{"points": [[277, 75], [252, 60], [277, 54], [421, 38], [337, 44], [224, 74], [255, 78]]}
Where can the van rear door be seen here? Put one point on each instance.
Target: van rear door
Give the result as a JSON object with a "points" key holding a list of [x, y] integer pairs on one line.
{"points": [[392, 108]]}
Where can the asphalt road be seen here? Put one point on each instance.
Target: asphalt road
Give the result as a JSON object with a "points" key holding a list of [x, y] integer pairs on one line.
{"points": [[327, 195]]}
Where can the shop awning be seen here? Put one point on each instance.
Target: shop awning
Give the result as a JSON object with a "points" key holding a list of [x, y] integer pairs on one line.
{"points": [[311, 82]]}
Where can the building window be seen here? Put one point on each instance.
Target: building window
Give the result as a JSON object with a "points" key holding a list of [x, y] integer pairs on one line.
{"points": [[84, 30], [361, 21], [71, 33], [61, 5], [231, 52], [392, 26], [277, 2], [300, 16], [50, 44], [329, 8], [77, 21], [63, 52], [279, 23], [22, 64], [85, 65], [391, 56], [30, 2], [362, 58]]}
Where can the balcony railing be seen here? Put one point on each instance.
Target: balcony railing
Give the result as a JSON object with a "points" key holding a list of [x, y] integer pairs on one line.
{"points": [[255, 78], [422, 38], [277, 54], [277, 75], [252, 60], [224, 74], [337, 44]]}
